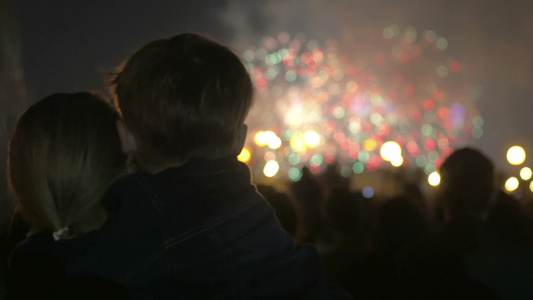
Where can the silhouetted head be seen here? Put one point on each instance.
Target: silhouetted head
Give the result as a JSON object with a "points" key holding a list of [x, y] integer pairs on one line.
{"points": [[184, 96], [412, 192], [333, 179], [467, 184], [307, 190], [63, 155], [307, 194]]}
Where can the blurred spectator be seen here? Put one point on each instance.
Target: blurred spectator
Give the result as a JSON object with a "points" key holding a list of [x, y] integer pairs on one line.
{"points": [[467, 259], [307, 195], [342, 219], [412, 192], [332, 179], [399, 222], [509, 219]]}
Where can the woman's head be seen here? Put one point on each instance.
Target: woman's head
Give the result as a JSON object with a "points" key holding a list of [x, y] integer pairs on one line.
{"points": [[63, 155]]}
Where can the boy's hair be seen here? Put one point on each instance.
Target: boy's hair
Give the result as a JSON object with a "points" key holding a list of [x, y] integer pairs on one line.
{"points": [[63, 155], [184, 96]]}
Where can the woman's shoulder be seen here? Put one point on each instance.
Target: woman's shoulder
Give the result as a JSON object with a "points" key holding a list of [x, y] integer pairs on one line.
{"points": [[37, 271], [33, 254], [42, 244], [35, 243]]}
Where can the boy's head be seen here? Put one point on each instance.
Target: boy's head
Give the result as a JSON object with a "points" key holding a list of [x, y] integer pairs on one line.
{"points": [[184, 96]]}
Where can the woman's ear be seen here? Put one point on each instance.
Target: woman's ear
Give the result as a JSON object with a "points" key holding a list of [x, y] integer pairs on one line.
{"points": [[127, 140]]}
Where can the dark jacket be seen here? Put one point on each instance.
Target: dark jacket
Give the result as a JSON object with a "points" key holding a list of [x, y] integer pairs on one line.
{"points": [[199, 231]]}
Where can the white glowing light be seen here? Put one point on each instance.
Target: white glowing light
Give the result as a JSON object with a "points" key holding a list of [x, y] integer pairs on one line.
{"points": [[397, 161], [434, 178], [267, 138], [274, 142], [312, 138], [511, 184], [516, 155], [271, 168], [526, 173], [390, 150]]}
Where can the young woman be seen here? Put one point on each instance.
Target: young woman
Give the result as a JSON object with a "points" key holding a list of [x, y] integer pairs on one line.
{"points": [[64, 153]]}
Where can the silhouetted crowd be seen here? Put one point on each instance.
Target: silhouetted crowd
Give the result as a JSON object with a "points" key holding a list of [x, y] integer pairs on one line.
{"points": [[473, 242]]}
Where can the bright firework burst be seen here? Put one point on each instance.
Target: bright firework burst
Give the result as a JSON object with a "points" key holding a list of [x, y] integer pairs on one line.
{"points": [[326, 104]]}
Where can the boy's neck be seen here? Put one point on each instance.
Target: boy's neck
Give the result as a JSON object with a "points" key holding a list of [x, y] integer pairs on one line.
{"points": [[155, 167], [151, 161]]}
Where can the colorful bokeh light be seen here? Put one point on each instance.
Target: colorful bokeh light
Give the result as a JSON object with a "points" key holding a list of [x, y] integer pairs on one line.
{"points": [[344, 101], [368, 192]]}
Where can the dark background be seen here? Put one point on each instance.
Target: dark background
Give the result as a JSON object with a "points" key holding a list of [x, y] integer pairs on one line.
{"points": [[67, 44]]}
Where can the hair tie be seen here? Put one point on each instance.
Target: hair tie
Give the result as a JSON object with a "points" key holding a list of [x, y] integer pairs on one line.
{"points": [[60, 234]]}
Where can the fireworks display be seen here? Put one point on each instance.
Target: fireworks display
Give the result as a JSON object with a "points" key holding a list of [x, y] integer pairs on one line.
{"points": [[320, 102]]}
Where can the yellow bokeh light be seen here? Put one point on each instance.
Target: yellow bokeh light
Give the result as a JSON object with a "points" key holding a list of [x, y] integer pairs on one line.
{"points": [[526, 173], [397, 161], [370, 145], [263, 138], [297, 143], [245, 155], [434, 178], [511, 184], [271, 168], [390, 150], [531, 186], [260, 138], [516, 155], [274, 142], [311, 138]]}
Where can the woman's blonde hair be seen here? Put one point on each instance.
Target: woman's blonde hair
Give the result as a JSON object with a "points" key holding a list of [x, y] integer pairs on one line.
{"points": [[63, 155]]}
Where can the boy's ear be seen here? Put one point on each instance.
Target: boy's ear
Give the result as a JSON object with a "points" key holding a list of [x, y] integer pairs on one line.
{"points": [[241, 139], [127, 140]]}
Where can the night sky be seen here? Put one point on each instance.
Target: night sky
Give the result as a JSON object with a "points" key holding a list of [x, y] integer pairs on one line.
{"points": [[68, 44]]}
